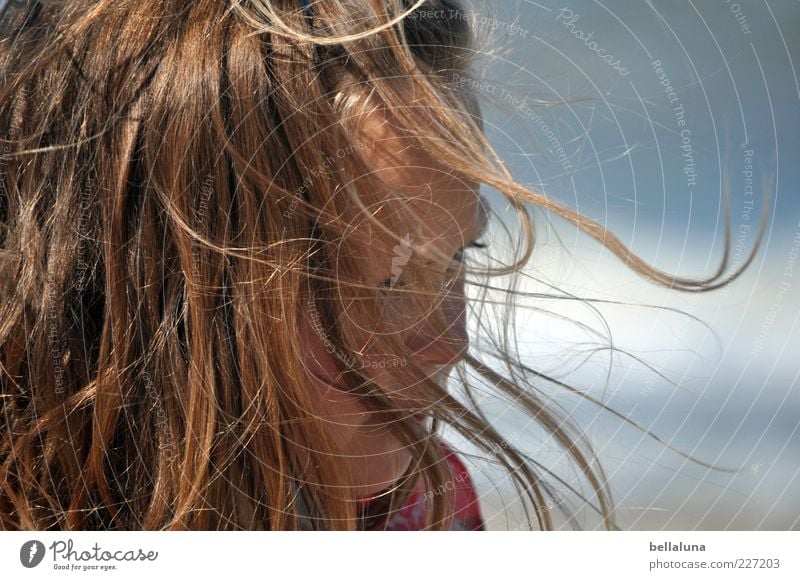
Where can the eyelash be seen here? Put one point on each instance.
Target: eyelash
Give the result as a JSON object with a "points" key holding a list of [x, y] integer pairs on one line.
{"points": [[459, 255]]}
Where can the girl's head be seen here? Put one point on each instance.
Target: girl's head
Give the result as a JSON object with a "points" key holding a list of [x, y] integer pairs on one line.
{"points": [[234, 243], [232, 257]]}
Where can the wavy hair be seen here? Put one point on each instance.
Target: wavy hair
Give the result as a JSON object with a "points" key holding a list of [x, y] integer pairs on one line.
{"points": [[173, 190]]}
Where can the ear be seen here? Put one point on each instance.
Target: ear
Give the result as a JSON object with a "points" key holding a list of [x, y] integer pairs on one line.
{"points": [[324, 373], [319, 351]]}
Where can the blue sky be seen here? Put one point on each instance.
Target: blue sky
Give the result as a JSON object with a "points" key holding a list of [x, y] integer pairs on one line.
{"points": [[710, 92]]}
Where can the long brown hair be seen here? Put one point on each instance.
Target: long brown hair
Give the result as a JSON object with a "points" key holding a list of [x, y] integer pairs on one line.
{"points": [[172, 190]]}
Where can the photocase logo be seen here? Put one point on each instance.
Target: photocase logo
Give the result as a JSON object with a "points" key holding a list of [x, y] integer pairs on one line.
{"points": [[402, 255], [31, 553]]}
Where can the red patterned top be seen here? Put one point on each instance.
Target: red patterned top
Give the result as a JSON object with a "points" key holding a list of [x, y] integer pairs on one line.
{"points": [[467, 509]]}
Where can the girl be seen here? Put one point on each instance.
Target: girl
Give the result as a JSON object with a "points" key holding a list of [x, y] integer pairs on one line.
{"points": [[234, 243]]}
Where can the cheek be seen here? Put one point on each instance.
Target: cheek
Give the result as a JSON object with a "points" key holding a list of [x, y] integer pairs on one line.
{"points": [[444, 345]]}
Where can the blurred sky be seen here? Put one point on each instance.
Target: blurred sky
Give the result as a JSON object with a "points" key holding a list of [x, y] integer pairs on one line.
{"points": [[627, 162]]}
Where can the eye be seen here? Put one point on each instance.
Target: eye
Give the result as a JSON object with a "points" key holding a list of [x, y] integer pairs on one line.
{"points": [[391, 283], [458, 257]]}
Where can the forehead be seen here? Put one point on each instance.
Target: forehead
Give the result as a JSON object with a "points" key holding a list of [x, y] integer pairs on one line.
{"points": [[428, 200]]}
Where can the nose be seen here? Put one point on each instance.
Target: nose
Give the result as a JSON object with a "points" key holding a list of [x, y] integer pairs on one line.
{"points": [[444, 345]]}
